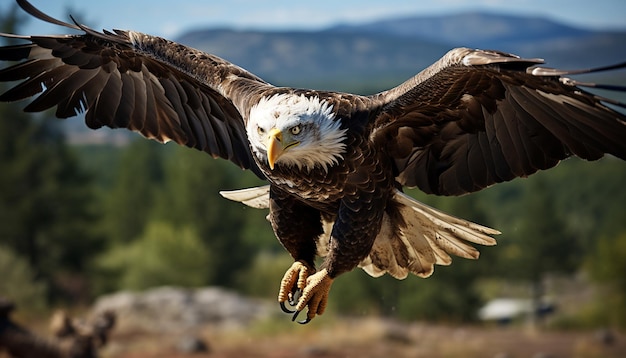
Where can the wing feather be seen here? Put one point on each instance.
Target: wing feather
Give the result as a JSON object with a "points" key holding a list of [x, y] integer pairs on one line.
{"points": [[123, 79], [476, 118], [127, 102], [140, 102], [109, 98]]}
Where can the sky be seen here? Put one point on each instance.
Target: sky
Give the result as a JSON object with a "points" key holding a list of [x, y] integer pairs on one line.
{"points": [[171, 18]]}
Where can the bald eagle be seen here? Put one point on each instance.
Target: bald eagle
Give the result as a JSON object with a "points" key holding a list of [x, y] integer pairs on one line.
{"points": [[336, 163]]}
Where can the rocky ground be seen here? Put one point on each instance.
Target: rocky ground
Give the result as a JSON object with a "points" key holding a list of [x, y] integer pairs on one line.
{"points": [[171, 322], [366, 338], [211, 322]]}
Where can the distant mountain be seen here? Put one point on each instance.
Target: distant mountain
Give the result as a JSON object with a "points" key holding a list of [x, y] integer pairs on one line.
{"points": [[320, 59], [471, 29], [379, 54], [562, 44]]}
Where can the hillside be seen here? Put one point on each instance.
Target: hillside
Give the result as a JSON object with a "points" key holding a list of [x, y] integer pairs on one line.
{"points": [[325, 59], [375, 55]]}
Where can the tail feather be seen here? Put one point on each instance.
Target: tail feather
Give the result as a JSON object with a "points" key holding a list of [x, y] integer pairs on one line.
{"points": [[454, 246], [428, 237], [420, 260], [466, 230], [422, 238], [418, 237], [257, 197], [383, 257]]}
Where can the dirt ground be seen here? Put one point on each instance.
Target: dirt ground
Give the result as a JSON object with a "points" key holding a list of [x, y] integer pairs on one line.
{"points": [[370, 337]]}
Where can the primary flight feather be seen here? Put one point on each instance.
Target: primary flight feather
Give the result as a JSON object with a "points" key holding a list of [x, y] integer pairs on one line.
{"points": [[335, 162]]}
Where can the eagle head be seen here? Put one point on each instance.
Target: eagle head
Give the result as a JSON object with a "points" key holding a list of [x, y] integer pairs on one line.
{"points": [[295, 130]]}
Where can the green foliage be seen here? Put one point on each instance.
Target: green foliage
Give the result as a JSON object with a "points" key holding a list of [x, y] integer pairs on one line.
{"points": [[541, 243], [257, 232], [46, 199], [179, 187], [449, 294], [47, 210], [18, 282], [130, 203], [607, 265], [263, 276], [162, 255], [190, 198], [587, 197]]}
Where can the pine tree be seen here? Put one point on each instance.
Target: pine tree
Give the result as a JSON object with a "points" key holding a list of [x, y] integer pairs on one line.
{"points": [[190, 199], [139, 181], [46, 207]]}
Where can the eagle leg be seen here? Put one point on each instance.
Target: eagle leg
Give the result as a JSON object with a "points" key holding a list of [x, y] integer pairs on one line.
{"points": [[292, 284], [314, 295]]}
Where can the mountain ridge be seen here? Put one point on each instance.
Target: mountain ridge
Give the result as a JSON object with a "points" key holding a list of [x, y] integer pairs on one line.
{"points": [[397, 48], [463, 27]]}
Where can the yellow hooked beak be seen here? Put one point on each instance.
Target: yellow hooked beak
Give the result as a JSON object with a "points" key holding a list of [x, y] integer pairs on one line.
{"points": [[277, 144]]}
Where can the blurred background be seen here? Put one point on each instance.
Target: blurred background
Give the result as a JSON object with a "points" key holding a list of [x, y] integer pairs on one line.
{"points": [[85, 215]]}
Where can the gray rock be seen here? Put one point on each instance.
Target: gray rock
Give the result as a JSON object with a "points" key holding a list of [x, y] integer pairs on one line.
{"points": [[174, 309]]}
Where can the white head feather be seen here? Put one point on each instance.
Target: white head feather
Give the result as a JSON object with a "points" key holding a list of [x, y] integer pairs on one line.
{"points": [[321, 137]]}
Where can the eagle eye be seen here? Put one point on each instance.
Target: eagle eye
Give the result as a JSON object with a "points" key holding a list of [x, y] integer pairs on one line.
{"points": [[295, 130], [260, 130]]}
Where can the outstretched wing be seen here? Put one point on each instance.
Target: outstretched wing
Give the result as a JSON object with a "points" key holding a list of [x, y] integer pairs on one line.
{"points": [[125, 79], [476, 118]]}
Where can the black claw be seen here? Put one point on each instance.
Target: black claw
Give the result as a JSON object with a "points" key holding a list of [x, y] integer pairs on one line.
{"points": [[304, 321], [292, 301], [293, 319], [285, 309]]}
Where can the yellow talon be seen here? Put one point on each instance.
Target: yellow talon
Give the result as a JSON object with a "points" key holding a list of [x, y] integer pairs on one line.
{"points": [[295, 278], [315, 294]]}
